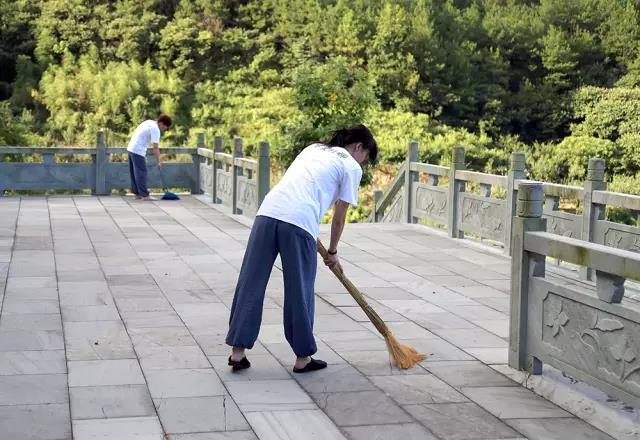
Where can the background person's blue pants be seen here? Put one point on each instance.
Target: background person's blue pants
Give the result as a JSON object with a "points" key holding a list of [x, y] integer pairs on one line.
{"points": [[138, 172], [297, 249]]}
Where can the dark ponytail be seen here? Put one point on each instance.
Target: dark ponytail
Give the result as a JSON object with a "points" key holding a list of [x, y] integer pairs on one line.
{"points": [[353, 135]]}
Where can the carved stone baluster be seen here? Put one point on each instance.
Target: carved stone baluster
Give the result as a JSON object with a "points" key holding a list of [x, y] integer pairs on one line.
{"points": [[516, 172], [524, 265]]}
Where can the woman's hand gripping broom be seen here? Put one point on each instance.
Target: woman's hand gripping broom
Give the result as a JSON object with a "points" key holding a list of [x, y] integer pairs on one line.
{"points": [[402, 355]]}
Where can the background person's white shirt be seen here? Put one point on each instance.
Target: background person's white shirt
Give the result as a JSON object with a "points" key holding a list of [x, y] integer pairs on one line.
{"points": [[144, 135], [316, 179]]}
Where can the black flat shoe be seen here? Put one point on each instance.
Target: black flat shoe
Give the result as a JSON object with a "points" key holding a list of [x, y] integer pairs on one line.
{"points": [[239, 365], [313, 365]]}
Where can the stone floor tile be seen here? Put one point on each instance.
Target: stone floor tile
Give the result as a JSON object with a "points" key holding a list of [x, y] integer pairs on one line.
{"points": [[513, 402], [293, 425], [269, 395], [404, 330], [200, 414], [333, 379], [151, 319], [169, 358], [471, 338], [22, 340], [33, 294], [557, 429], [184, 383], [90, 313], [417, 388], [360, 408], [32, 362], [162, 336], [263, 367], [371, 343], [499, 327], [376, 363], [22, 306], [126, 428], [437, 350], [336, 323], [35, 422], [33, 282], [490, 356], [471, 422], [472, 313], [442, 320], [388, 293], [339, 299], [228, 435], [283, 352], [33, 322], [105, 372], [503, 285], [468, 373], [357, 314], [97, 340], [407, 431], [480, 291], [500, 303], [110, 402], [33, 389]]}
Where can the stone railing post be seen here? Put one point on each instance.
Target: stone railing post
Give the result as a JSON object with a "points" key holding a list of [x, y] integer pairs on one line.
{"points": [[236, 172], [455, 188], [377, 196], [592, 212], [523, 266], [217, 148], [516, 172], [410, 177], [100, 187], [264, 171], [196, 160]]}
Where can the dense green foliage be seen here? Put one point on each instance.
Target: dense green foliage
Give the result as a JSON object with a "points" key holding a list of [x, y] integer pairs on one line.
{"points": [[559, 79]]}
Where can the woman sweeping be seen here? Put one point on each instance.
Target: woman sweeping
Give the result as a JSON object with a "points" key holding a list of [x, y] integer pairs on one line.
{"points": [[287, 223]]}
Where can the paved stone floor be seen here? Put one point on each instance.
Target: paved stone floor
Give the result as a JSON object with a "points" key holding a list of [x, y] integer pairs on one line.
{"points": [[114, 314]]}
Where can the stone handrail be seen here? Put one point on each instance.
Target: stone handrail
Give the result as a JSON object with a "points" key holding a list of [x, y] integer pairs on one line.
{"points": [[100, 175], [593, 336], [380, 202], [485, 216], [233, 180]]}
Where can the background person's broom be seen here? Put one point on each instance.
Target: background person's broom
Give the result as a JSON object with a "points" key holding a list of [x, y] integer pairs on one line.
{"points": [[402, 355]]}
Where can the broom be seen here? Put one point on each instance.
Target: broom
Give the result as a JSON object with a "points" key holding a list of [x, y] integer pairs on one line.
{"points": [[402, 355]]}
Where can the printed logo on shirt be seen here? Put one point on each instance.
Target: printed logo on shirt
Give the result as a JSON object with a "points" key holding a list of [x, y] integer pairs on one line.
{"points": [[336, 151]]}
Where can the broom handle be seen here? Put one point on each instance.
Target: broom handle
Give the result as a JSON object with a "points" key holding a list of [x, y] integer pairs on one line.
{"points": [[355, 293]]}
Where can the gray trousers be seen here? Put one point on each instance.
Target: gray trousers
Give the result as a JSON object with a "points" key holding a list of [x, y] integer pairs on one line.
{"points": [[297, 248], [138, 173]]}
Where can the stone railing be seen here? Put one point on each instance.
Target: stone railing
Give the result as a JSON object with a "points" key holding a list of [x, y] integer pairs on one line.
{"points": [[416, 194], [589, 333], [97, 172], [233, 180]]}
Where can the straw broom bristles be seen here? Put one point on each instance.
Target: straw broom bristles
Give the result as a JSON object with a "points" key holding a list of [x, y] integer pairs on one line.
{"points": [[402, 355]]}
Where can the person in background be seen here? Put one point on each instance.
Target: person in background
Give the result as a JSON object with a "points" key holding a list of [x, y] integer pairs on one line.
{"points": [[145, 134], [287, 223]]}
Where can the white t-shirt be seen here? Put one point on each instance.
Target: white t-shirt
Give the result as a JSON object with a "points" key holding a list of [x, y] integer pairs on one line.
{"points": [[144, 135], [318, 177]]}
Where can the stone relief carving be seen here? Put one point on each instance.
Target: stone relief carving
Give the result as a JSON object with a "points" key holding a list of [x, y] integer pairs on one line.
{"points": [[225, 185], [433, 202], [594, 341], [483, 216], [394, 214], [561, 226], [622, 239], [206, 177], [247, 194]]}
